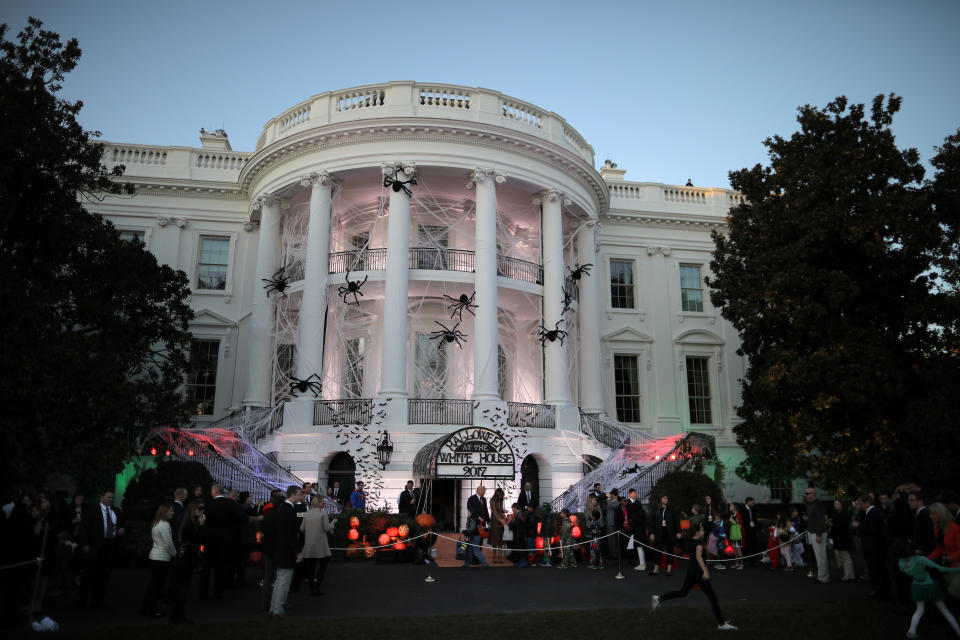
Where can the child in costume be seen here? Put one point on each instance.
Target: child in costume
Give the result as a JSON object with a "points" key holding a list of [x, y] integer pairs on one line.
{"points": [[924, 588], [595, 530], [566, 540]]}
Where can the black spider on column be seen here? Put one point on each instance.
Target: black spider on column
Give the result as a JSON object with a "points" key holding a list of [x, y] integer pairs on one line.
{"points": [[580, 270], [461, 303], [352, 287], [279, 282], [450, 335], [567, 299], [399, 185], [553, 334], [310, 383]]}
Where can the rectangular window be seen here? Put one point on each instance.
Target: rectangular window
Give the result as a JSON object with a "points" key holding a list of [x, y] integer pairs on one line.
{"points": [[698, 390], [432, 242], [691, 287], [202, 375], [132, 236], [626, 378], [431, 367], [359, 244], [621, 284], [212, 264], [781, 490], [353, 367]]}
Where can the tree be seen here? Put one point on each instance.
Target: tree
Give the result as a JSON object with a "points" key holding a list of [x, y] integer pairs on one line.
{"points": [[94, 335], [826, 271]]}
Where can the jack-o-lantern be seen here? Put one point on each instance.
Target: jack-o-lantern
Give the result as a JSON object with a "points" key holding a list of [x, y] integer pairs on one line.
{"points": [[354, 522], [425, 521], [354, 550], [353, 534], [368, 550], [576, 532], [399, 546], [403, 530], [383, 540], [393, 532]]}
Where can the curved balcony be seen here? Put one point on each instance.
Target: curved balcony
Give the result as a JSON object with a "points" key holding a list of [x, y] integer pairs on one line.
{"points": [[414, 99], [431, 259]]}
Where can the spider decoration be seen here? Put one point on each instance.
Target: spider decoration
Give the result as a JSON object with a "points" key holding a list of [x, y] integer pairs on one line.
{"points": [[353, 286], [580, 270], [399, 185], [450, 335], [279, 282], [567, 299], [553, 334], [461, 303], [310, 383]]}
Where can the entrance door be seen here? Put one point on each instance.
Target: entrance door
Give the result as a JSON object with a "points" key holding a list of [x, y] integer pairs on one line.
{"points": [[444, 503]]}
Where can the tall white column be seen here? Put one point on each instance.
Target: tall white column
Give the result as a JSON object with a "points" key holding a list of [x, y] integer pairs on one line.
{"points": [[664, 364], [393, 344], [313, 308], [486, 385], [555, 373], [588, 312], [260, 368]]}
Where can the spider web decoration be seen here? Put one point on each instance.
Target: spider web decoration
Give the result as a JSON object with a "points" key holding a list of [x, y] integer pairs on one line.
{"points": [[286, 329]]}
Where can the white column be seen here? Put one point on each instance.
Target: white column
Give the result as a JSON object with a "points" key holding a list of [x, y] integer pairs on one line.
{"points": [[260, 367], [664, 364], [486, 384], [393, 344], [555, 370], [588, 312], [313, 308]]}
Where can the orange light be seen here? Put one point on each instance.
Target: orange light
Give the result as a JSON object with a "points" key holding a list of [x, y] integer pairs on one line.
{"points": [[576, 532], [153, 451], [399, 546], [259, 537], [573, 519], [353, 534], [393, 532], [539, 543], [190, 452], [384, 539], [167, 453], [354, 522], [656, 457]]}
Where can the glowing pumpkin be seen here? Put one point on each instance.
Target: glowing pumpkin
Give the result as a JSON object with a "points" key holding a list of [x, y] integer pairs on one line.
{"points": [[404, 530], [353, 534], [573, 519], [539, 543], [576, 532], [684, 525], [354, 522], [383, 540], [393, 532], [256, 557], [425, 521], [399, 546]]}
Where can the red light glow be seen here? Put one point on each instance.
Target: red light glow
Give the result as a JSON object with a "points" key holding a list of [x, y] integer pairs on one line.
{"points": [[383, 540], [393, 532], [153, 451], [353, 534], [576, 532]]}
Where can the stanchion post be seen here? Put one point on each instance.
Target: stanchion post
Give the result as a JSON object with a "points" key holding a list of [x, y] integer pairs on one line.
{"points": [[430, 562], [619, 575]]}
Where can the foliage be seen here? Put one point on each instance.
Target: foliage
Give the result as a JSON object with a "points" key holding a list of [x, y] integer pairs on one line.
{"points": [[825, 272], [154, 486], [685, 488], [94, 335]]}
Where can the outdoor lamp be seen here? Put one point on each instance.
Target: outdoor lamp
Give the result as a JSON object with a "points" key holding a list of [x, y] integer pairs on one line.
{"points": [[384, 450]]}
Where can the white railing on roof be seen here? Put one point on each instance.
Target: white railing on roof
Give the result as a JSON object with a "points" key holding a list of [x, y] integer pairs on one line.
{"points": [[124, 154], [453, 97]]}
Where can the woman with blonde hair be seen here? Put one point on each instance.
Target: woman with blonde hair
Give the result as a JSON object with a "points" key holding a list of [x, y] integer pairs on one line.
{"points": [[161, 558]]}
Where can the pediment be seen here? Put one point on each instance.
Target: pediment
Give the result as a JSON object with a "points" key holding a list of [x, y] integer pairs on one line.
{"points": [[208, 318], [626, 335], [699, 336]]}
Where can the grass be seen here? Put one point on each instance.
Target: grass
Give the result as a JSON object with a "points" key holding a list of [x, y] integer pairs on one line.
{"points": [[852, 621]]}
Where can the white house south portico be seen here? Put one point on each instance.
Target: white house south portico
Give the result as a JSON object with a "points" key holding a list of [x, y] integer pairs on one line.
{"points": [[442, 263]]}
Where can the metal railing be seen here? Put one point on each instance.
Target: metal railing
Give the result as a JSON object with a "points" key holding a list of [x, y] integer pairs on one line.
{"points": [[358, 260], [519, 269], [438, 259], [690, 445], [439, 411], [525, 414], [352, 411]]}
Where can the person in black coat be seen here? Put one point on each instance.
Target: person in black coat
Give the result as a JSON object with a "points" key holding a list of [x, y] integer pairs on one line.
{"points": [[528, 497], [221, 534], [751, 530], [187, 538], [407, 502], [870, 529], [842, 539], [179, 508], [518, 527], [664, 534], [638, 529], [281, 535], [99, 536], [924, 538]]}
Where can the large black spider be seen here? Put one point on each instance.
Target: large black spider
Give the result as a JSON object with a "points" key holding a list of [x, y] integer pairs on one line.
{"points": [[399, 185], [310, 383], [461, 303], [450, 335], [279, 282], [580, 270], [567, 299], [553, 334], [353, 286]]}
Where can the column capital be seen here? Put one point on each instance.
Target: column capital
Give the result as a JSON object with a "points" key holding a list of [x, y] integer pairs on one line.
{"points": [[551, 195], [408, 169], [319, 178], [267, 200], [483, 174]]}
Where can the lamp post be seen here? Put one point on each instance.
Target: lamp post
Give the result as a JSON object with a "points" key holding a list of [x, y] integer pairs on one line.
{"points": [[384, 450]]}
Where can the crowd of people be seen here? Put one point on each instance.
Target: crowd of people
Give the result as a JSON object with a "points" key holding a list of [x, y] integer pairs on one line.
{"points": [[907, 549]]}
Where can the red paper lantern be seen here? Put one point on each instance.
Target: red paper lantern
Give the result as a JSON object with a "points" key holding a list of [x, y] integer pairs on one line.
{"points": [[399, 546], [576, 532], [256, 557], [383, 540], [354, 522], [353, 534]]}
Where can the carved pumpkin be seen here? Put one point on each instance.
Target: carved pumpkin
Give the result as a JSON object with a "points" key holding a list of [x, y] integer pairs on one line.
{"points": [[404, 530], [383, 540], [425, 521], [393, 532], [353, 534], [354, 522]]}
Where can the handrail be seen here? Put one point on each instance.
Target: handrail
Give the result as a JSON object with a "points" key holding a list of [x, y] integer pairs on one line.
{"points": [[436, 259]]}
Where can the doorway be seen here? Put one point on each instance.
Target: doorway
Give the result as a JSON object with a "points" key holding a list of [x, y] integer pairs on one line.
{"points": [[445, 503]]}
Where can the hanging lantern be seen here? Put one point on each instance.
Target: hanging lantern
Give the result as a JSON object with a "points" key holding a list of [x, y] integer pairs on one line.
{"points": [[353, 534], [393, 532], [404, 530], [354, 522], [384, 450], [383, 540]]}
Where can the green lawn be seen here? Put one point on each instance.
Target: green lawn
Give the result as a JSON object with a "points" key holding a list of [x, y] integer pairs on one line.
{"points": [[856, 621]]}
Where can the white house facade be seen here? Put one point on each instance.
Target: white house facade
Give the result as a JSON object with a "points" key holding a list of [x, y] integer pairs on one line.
{"points": [[441, 270]]}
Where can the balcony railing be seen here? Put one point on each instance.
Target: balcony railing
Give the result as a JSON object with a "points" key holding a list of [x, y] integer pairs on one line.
{"points": [[435, 259], [439, 411], [354, 411], [525, 414]]}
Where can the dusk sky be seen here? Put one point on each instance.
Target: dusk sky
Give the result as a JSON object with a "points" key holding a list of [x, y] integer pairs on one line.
{"points": [[669, 91]]}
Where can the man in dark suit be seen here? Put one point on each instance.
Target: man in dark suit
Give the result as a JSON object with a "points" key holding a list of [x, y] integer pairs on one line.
{"points": [[220, 534], [924, 538], [99, 533], [407, 502], [664, 534], [751, 529], [638, 529], [336, 494], [870, 529], [478, 517], [179, 503], [527, 497], [282, 540]]}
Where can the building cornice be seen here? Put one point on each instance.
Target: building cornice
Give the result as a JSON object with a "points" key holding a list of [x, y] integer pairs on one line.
{"points": [[659, 219]]}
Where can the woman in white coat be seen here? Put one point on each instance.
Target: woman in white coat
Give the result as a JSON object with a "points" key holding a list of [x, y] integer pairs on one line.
{"points": [[316, 549], [161, 559]]}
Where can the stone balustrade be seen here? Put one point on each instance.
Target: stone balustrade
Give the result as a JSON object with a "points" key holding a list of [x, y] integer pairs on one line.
{"points": [[654, 196], [412, 99], [146, 161]]}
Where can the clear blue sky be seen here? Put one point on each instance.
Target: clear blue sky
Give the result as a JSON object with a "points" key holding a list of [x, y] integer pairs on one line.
{"points": [[669, 91]]}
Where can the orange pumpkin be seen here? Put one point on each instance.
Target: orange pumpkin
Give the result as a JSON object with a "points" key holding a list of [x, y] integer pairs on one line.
{"points": [[354, 550], [393, 532], [368, 550], [399, 546], [425, 521], [354, 522], [353, 534], [576, 532], [384, 540], [404, 530]]}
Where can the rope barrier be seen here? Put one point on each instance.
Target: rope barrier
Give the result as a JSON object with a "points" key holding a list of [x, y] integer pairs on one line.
{"points": [[734, 559], [21, 564]]}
